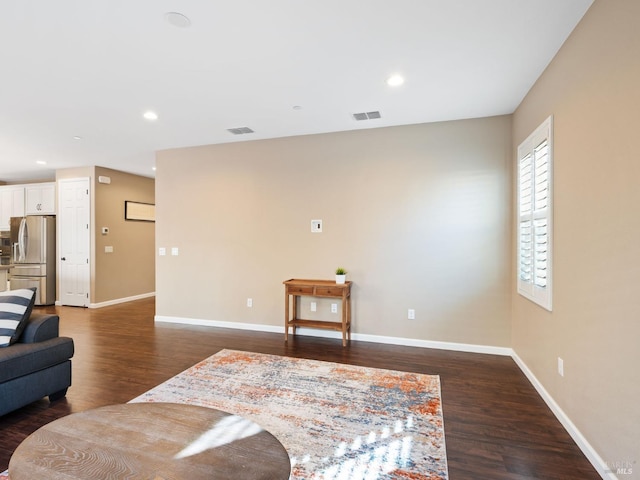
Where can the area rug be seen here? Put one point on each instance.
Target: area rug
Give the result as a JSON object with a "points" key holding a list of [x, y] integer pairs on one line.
{"points": [[337, 422]]}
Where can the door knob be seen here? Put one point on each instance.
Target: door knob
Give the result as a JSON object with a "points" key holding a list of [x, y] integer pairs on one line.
{"points": [[63, 258]]}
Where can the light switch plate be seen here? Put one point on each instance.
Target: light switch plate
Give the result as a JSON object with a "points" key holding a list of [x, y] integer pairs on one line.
{"points": [[162, 251], [316, 226], [174, 251], [560, 367]]}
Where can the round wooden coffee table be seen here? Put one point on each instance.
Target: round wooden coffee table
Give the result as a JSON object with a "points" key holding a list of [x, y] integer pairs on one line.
{"points": [[151, 441]]}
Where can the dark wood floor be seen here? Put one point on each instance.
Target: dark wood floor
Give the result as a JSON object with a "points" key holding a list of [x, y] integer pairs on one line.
{"points": [[496, 425]]}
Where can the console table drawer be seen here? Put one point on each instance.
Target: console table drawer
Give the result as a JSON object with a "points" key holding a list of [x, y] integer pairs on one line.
{"points": [[329, 291], [298, 290]]}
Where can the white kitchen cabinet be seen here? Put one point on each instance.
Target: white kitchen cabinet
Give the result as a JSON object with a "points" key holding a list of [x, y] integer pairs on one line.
{"points": [[11, 204], [40, 199]]}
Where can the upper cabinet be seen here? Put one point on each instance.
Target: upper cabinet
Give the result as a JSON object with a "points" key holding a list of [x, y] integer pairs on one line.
{"points": [[11, 204], [29, 199], [40, 199]]}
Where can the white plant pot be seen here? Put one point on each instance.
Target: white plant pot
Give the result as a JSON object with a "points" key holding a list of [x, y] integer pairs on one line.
{"points": [[341, 279]]}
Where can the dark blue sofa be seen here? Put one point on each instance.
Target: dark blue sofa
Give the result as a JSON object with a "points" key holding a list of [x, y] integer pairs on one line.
{"points": [[36, 366]]}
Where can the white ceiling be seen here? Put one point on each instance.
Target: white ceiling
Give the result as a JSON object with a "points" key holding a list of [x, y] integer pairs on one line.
{"points": [[90, 68]]}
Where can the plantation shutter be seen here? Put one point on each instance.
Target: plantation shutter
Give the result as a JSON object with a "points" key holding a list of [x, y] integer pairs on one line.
{"points": [[534, 216]]}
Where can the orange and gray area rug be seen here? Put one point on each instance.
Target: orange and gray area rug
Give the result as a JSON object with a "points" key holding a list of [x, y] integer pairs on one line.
{"points": [[337, 422]]}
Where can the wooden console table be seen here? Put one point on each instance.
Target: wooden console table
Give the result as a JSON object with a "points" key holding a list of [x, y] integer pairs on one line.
{"points": [[295, 288]]}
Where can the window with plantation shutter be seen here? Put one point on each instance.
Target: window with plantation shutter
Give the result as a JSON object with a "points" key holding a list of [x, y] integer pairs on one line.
{"points": [[534, 215]]}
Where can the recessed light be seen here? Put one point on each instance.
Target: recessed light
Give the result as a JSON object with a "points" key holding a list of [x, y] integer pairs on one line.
{"points": [[297, 107], [151, 116], [77, 137], [41, 162], [395, 80], [177, 19]]}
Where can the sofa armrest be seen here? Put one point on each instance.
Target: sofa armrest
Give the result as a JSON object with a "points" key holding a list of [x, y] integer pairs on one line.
{"points": [[40, 327], [22, 359]]}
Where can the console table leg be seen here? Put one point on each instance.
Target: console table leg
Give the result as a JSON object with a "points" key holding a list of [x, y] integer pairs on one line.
{"points": [[344, 321], [349, 318], [286, 317], [294, 308]]}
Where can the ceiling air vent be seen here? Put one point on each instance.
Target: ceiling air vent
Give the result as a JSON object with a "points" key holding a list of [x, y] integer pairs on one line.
{"points": [[366, 115], [239, 130]]}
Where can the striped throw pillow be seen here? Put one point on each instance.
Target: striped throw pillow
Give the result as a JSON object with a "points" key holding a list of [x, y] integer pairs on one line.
{"points": [[15, 308]]}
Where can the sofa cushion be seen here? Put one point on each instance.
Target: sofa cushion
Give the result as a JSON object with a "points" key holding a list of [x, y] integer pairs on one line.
{"points": [[25, 358], [15, 308]]}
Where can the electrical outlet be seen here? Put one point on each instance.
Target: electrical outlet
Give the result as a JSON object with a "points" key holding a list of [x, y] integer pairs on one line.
{"points": [[560, 367], [249, 302], [334, 308], [314, 306], [411, 314]]}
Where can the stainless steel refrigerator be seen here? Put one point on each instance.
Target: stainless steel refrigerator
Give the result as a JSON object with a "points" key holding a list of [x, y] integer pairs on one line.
{"points": [[33, 256]]}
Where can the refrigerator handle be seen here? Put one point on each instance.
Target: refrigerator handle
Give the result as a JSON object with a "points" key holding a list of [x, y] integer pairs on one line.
{"points": [[22, 239]]}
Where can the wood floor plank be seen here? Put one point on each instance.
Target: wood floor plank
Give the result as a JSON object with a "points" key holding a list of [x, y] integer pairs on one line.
{"points": [[496, 425]]}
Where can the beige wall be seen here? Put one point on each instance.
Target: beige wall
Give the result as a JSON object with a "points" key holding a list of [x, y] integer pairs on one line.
{"points": [[130, 270], [419, 215], [592, 88]]}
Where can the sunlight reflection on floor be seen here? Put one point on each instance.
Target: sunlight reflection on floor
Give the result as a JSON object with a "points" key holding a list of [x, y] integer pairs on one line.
{"points": [[369, 457]]}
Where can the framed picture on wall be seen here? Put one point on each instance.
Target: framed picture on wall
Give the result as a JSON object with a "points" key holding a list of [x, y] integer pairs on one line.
{"points": [[138, 211]]}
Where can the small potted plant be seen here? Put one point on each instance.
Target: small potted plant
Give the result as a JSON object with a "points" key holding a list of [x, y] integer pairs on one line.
{"points": [[341, 275]]}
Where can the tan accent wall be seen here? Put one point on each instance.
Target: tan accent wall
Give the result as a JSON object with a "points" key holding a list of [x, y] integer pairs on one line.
{"points": [[130, 270], [592, 88], [419, 215]]}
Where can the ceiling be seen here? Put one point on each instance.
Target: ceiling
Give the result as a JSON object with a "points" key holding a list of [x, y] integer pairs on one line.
{"points": [[76, 76]]}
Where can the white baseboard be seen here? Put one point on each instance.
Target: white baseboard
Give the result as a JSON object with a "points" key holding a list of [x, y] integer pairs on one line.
{"points": [[412, 342], [122, 300], [408, 342], [217, 323], [598, 463]]}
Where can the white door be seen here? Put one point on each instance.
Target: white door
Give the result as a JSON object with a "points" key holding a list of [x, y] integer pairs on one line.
{"points": [[74, 241]]}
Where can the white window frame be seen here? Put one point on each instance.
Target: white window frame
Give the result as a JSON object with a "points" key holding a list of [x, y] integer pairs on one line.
{"points": [[534, 211]]}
